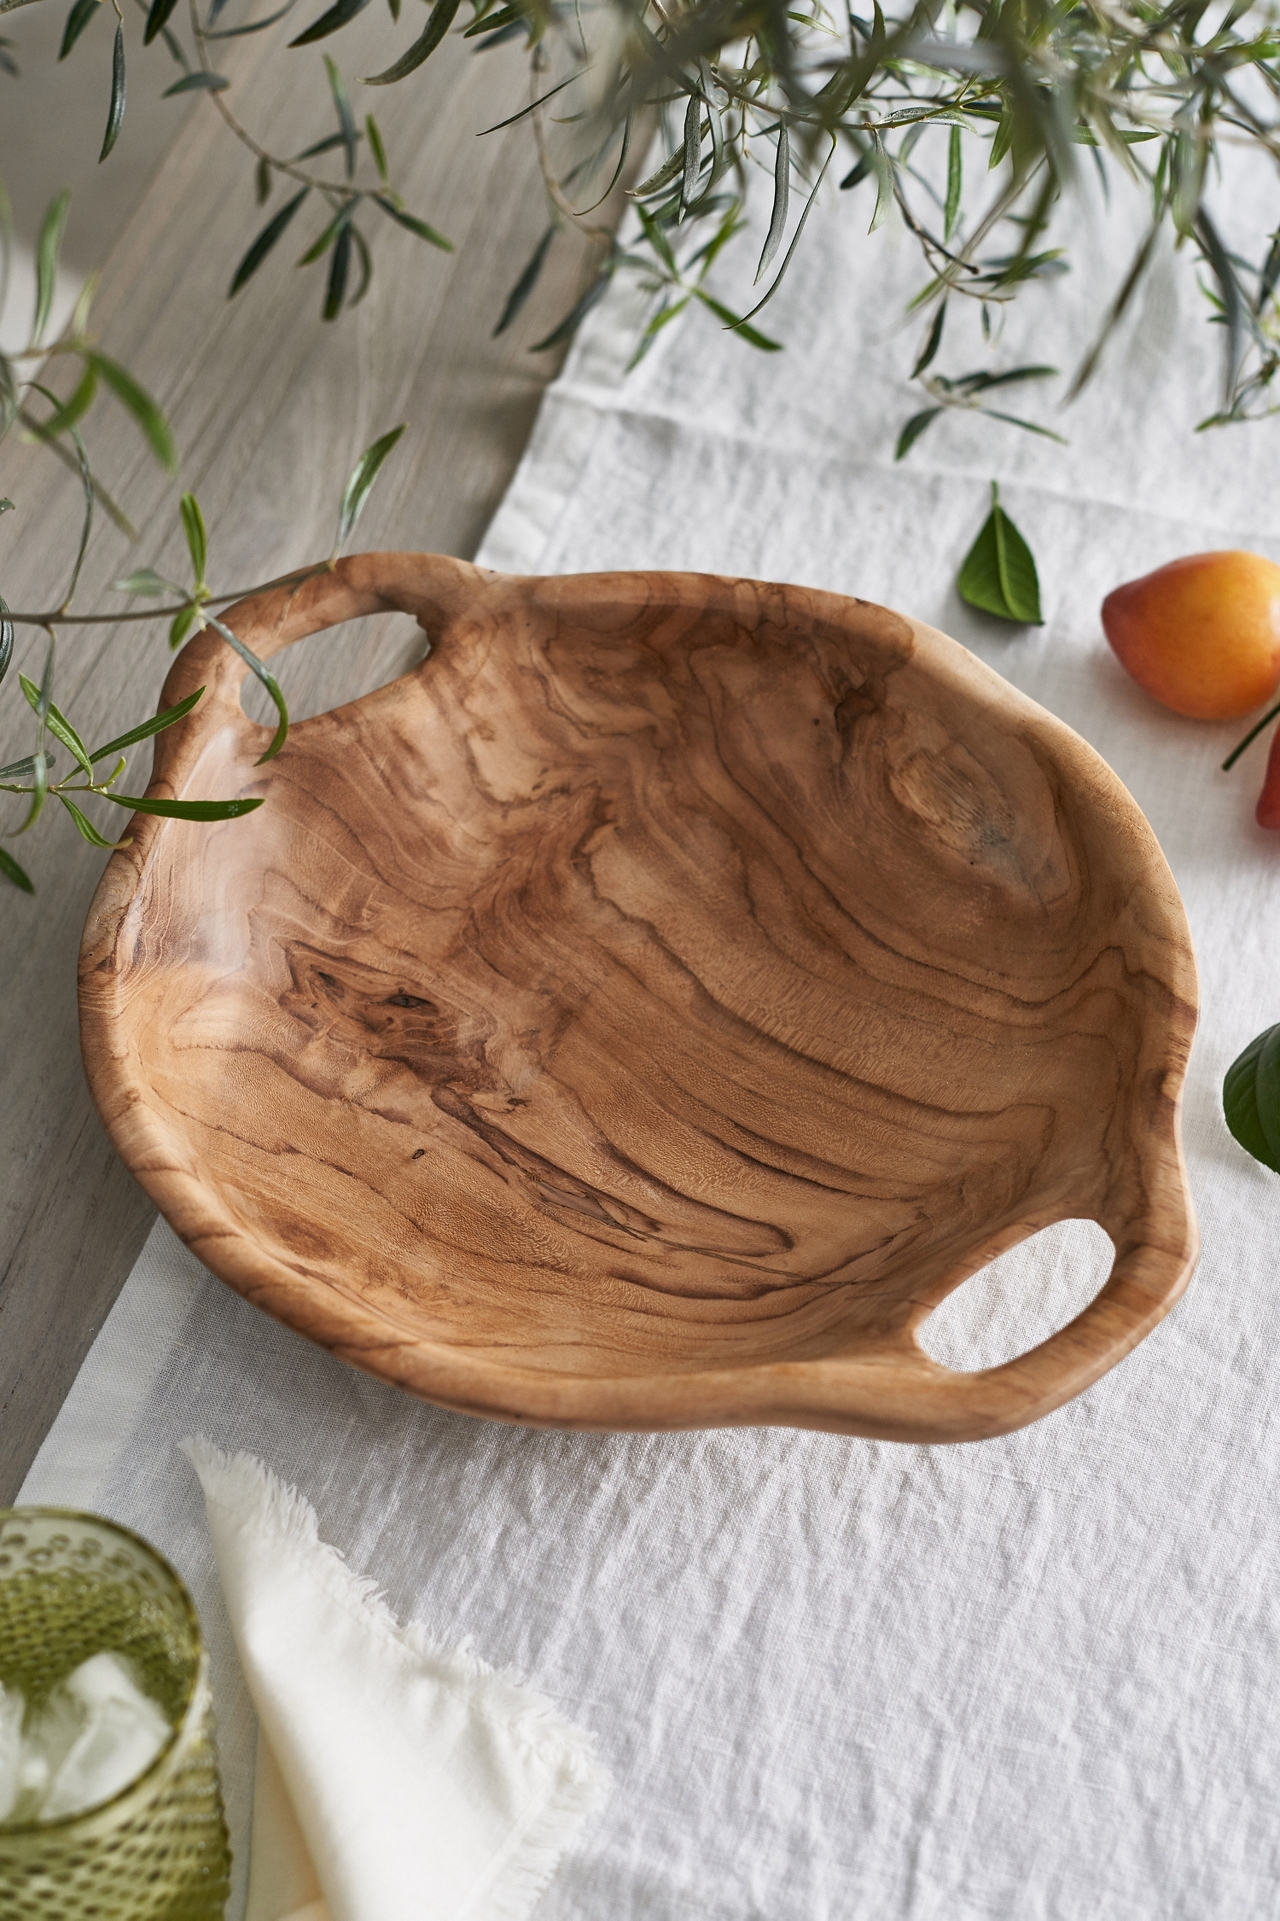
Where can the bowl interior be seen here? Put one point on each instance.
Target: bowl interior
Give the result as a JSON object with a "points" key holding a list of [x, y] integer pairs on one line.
{"points": [[639, 984]]}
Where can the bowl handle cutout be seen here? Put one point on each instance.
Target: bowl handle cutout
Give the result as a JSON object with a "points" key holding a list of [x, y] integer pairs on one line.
{"points": [[1150, 1271], [433, 588]]}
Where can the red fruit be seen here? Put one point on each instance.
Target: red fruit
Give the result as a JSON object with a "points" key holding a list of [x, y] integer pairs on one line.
{"points": [[1268, 809]]}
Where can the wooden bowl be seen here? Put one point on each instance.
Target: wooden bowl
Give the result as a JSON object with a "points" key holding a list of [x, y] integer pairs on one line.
{"points": [[644, 1012]]}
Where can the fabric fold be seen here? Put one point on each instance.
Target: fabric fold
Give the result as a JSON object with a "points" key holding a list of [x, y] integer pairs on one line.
{"points": [[425, 1785]]}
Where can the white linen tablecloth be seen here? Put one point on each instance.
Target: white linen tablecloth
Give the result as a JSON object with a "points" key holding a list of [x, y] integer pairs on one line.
{"points": [[834, 1679]]}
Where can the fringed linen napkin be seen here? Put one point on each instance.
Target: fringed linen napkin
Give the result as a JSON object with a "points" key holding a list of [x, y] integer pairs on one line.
{"points": [[397, 1780]]}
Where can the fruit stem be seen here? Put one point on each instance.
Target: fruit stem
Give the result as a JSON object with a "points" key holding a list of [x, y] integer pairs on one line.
{"points": [[1252, 735]]}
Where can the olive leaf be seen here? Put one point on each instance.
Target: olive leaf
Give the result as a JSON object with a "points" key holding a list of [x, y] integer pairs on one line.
{"points": [[420, 227], [328, 235], [336, 286], [140, 404], [272, 685], [201, 82], [115, 113], [342, 107], [1251, 1098], [358, 487], [186, 809], [84, 826], [145, 580], [6, 639], [265, 241], [157, 19], [527, 282], [48, 248], [438, 24], [56, 721], [781, 198], [955, 175], [13, 872], [377, 148], [999, 573], [77, 20], [156, 725], [197, 539], [338, 16]]}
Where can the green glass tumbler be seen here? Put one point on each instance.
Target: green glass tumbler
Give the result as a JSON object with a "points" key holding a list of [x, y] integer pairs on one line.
{"points": [[71, 1586]]}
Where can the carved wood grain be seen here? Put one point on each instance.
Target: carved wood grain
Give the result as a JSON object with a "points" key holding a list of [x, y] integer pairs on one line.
{"points": [[644, 1012]]}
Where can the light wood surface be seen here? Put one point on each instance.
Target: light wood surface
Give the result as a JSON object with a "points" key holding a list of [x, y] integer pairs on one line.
{"points": [[271, 408], [644, 1011]]}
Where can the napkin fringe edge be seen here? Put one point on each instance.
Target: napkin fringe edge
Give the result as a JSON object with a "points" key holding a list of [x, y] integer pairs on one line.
{"points": [[251, 1494]]}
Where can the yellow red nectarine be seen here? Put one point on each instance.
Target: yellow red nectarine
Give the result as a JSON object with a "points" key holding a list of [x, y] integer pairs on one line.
{"points": [[1202, 634]]}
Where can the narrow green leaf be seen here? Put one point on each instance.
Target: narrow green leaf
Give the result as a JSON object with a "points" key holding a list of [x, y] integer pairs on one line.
{"points": [[252, 26], [358, 487], [265, 241], [781, 200], [366, 266], [1240, 1102], [576, 314], [145, 580], [420, 227], [692, 151], [197, 539], [884, 187], [658, 241], [662, 178], [181, 626], [262, 181], [330, 233], [955, 164], [338, 16], [933, 342], [85, 826], [156, 725], [438, 24], [6, 639], [200, 82], [115, 113], [336, 286], [1003, 139], [67, 412], [342, 107], [377, 149], [744, 331], [999, 574], [272, 685], [25, 768], [56, 721], [187, 809], [527, 282], [493, 22], [140, 404], [913, 430], [327, 145], [47, 249], [77, 20], [18, 875], [157, 19], [40, 777]]}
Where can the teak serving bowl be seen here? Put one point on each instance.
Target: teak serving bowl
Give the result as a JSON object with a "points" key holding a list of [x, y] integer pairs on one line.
{"points": [[641, 1014]]}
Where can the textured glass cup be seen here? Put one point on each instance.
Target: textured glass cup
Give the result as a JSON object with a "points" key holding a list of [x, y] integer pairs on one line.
{"points": [[72, 1585]]}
